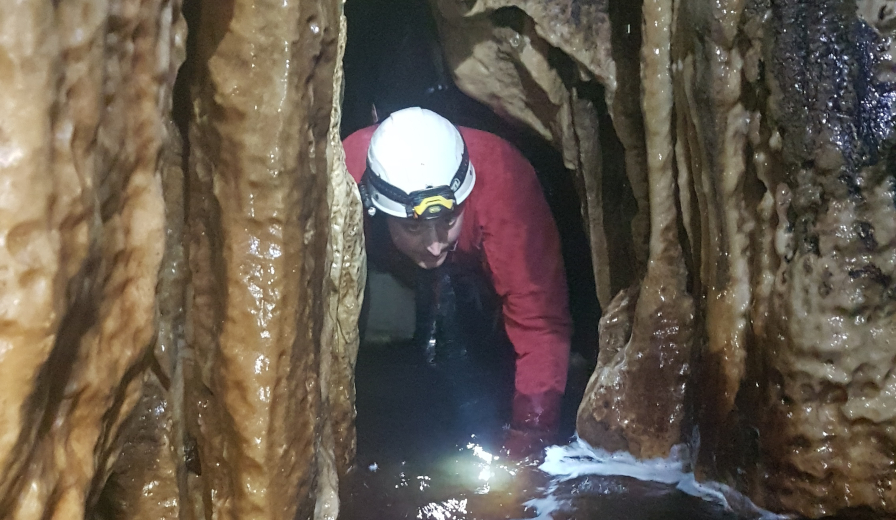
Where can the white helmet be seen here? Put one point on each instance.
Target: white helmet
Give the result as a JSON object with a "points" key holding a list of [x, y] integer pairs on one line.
{"points": [[417, 166]]}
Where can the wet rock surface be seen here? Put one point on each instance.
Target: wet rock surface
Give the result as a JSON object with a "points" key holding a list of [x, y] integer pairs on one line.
{"points": [[180, 310], [828, 346], [275, 260], [770, 123], [85, 95], [180, 303], [622, 408]]}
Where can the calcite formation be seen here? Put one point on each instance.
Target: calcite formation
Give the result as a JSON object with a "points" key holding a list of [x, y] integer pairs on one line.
{"points": [[180, 301], [758, 143], [148, 474], [275, 260], [825, 325], [180, 309], [85, 96], [791, 206]]}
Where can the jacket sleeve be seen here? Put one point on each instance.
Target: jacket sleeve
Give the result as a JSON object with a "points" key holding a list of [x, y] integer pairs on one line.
{"points": [[355, 147], [522, 249]]}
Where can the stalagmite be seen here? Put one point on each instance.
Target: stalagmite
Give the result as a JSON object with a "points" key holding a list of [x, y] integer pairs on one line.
{"points": [[635, 399]]}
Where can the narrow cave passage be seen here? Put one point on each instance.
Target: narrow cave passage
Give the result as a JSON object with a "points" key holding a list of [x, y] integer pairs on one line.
{"points": [[393, 60], [416, 455], [182, 297]]}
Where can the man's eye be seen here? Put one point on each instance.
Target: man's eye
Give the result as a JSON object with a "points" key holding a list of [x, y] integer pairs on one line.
{"points": [[413, 227], [451, 221]]}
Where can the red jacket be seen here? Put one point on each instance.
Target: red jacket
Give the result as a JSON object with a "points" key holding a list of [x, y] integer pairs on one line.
{"points": [[509, 230]]}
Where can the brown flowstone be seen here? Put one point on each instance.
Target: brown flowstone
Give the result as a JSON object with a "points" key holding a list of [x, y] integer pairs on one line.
{"points": [[268, 257], [119, 402], [718, 197], [83, 92]]}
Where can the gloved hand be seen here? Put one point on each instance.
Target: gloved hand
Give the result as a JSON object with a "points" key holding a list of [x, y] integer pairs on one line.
{"points": [[534, 425]]}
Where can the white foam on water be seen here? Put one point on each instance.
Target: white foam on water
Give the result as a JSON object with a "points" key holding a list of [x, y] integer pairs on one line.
{"points": [[579, 459]]}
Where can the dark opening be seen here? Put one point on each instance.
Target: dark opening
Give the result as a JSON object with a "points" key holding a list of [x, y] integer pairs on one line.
{"points": [[393, 60]]}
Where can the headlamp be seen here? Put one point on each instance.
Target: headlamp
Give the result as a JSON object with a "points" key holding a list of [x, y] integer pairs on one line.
{"points": [[431, 203]]}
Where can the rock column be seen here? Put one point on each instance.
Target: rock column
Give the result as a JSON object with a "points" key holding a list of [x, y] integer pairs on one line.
{"points": [[270, 343]]}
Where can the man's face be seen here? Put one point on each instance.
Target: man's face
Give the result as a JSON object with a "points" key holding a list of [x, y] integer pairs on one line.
{"points": [[426, 242]]}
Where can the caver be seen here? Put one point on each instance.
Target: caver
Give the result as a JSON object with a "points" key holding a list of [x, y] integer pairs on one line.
{"points": [[455, 195]]}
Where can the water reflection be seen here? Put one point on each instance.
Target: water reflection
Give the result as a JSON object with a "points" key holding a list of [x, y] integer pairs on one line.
{"points": [[472, 483], [428, 440], [465, 483]]}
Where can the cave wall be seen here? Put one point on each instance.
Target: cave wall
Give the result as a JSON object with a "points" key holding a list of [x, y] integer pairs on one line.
{"points": [[752, 336], [821, 312], [181, 300], [86, 90]]}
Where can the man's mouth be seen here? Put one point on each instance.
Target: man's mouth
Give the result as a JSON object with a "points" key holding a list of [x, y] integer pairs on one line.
{"points": [[431, 261]]}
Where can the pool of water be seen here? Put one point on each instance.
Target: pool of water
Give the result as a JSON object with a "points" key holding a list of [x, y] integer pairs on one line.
{"points": [[427, 445], [470, 485]]}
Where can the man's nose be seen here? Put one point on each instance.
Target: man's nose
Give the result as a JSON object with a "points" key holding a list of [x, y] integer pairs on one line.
{"points": [[435, 248]]}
